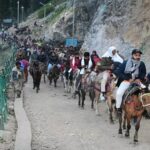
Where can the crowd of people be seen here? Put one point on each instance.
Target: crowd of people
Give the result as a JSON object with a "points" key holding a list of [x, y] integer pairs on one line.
{"points": [[70, 59], [125, 70]]}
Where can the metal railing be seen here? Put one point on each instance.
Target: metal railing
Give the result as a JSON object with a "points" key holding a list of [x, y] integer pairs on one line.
{"points": [[5, 74]]}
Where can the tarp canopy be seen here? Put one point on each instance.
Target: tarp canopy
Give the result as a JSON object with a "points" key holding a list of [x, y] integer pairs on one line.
{"points": [[71, 42]]}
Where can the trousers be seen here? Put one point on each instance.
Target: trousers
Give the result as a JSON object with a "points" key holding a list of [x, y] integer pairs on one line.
{"points": [[104, 81], [120, 92]]}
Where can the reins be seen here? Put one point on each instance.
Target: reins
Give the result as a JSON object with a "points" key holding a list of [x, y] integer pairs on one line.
{"points": [[141, 99]]}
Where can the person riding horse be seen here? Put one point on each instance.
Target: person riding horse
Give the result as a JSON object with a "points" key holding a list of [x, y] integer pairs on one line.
{"points": [[34, 56], [86, 64], [42, 57], [129, 71], [53, 60], [95, 58], [112, 53]]}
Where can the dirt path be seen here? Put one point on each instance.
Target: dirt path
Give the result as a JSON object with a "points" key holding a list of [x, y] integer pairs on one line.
{"points": [[59, 124]]}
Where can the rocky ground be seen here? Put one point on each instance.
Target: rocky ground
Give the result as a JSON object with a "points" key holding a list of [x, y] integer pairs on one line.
{"points": [[59, 124]]}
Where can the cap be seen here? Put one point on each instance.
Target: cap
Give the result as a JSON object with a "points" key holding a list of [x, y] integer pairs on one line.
{"points": [[136, 51]]}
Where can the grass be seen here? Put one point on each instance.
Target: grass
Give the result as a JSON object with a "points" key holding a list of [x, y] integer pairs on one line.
{"points": [[50, 7], [57, 2], [56, 14]]}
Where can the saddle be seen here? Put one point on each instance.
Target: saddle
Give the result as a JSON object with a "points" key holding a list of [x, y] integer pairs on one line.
{"points": [[134, 88]]}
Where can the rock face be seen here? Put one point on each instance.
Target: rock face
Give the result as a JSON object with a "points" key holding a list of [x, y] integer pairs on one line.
{"points": [[124, 24], [103, 23]]}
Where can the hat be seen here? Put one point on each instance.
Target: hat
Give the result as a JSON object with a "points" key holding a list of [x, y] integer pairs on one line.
{"points": [[136, 51]]}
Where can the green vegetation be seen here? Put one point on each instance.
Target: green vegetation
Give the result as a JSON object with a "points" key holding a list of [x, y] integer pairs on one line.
{"points": [[8, 8], [49, 9], [4, 54], [57, 2], [57, 13]]}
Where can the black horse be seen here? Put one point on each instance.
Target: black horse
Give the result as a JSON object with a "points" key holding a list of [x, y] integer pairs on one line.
{"points": [[54, 75], [36, 75]]}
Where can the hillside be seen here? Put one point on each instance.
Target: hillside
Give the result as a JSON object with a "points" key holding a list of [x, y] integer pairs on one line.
{"points": [[99, 23]]}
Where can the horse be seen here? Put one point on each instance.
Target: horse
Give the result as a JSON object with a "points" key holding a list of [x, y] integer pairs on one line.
{"points": [[43, 68], [54, 75], [82, 85], [133, 106], [95, 92], [36, 75], [68, 79]]}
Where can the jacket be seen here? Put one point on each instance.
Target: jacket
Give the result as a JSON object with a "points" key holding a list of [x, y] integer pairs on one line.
{"points": [[119, 72]]}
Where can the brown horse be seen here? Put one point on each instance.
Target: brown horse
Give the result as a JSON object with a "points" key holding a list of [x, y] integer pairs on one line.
{"points": [[133, 107]]}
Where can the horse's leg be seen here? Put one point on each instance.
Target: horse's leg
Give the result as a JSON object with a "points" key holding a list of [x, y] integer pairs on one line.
{"points": [[44, 76], [55, 83], [124, 121], [74, 89], [137, 126], [50, 80], [34, 84], [92, 96], [109, 103], [65, 84], [79, 97], [83, 93], [97, 94], [120, 122], [70, 84], [37, 89], [127, 134]]}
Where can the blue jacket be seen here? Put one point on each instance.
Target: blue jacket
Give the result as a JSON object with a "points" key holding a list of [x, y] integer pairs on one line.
{"points": [[119, 72]]}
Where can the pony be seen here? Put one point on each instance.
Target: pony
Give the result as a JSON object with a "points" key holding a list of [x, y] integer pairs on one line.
{"points": [[43, 68], [133, 105], [54, 75], [36, 75], [95, 92]]}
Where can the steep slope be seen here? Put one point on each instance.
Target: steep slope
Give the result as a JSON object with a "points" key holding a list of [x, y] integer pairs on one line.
{"points": [[101, 24]]}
